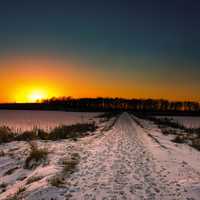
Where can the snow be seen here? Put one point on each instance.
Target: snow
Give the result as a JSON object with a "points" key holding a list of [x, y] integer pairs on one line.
{"points": [[179, 161], [124, 162], [189, 122]]}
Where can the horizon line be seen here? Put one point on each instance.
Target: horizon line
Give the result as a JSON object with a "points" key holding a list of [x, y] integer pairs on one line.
{"points": [[39, 101]]}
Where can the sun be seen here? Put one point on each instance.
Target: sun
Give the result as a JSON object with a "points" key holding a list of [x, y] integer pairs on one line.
{"points": [[36, 96]]}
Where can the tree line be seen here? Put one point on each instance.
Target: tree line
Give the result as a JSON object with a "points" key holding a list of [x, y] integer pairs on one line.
{"points": [[157, 106], [123, 104]]}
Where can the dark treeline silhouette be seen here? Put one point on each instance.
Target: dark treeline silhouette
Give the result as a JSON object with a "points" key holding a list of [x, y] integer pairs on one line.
{"points": [[157, 106]]}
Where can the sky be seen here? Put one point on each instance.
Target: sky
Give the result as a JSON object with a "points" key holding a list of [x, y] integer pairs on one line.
{"points": [[92, 48]]}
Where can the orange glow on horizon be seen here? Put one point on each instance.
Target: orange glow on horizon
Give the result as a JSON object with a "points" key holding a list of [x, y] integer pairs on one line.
{"points": [[37, 95], [31, 78], [32, 95]]}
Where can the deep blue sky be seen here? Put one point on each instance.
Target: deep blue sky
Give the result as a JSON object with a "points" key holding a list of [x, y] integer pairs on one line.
{"points": [[158, 27], [158, 39]]}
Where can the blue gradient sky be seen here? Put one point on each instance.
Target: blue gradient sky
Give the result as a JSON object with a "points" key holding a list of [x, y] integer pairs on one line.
{"points": [[140, 49]]}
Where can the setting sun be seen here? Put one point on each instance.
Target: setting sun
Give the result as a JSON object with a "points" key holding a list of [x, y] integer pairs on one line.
{"points": [[33, 94], [37, 95]]}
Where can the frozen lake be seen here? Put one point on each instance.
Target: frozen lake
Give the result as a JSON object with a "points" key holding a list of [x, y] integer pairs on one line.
{"points": [[189, 122], [20, 120]]}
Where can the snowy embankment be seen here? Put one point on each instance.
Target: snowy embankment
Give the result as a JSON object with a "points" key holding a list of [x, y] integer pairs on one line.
{"points": [[123, 162]]}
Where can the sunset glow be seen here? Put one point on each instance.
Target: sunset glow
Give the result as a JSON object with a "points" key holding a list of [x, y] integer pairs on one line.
{"points": [[139, 51], [32, 77], [32, 95], [37, 95]]}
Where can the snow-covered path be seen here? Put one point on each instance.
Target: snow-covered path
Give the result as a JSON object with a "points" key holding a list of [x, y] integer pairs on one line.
{"points": [[132, 160], [120, 166]]}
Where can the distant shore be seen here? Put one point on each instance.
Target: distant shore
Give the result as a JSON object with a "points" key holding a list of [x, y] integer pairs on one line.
{"points": [[62, 107]]}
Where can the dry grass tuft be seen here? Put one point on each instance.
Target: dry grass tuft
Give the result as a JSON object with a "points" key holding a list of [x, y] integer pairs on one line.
{"points": [[2, 153], [6, 135], [70, 165], [196, 143], [56, 181], [36, 156]]}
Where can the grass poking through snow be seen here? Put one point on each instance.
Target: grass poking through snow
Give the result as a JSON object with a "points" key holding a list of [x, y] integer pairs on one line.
{"points": [[36, 156], [70, 165], [6, 135], [61, 132], [56, 181]]}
